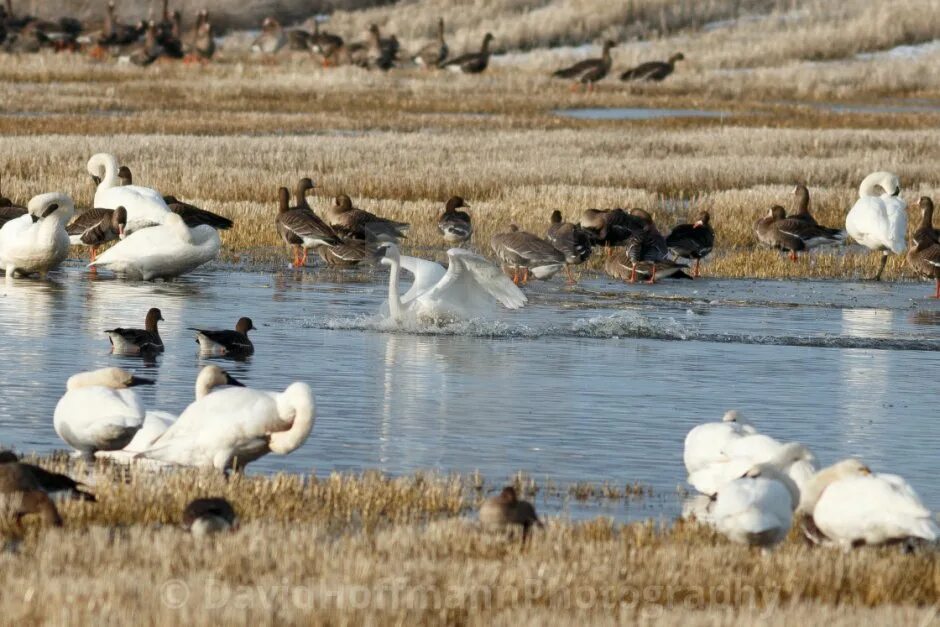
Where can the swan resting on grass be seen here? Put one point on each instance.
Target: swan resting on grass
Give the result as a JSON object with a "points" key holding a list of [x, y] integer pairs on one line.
{"points": [[470, 287]]}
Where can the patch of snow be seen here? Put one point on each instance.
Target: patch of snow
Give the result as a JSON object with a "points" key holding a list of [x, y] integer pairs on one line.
{"points": [[902, 52]]}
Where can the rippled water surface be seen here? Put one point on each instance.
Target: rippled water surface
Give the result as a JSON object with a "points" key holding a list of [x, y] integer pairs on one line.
{"points": [[599, 382]]}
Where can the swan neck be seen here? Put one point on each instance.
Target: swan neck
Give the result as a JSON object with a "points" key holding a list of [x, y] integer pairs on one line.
{"points": [[110, 177], [299, 401], [394, 298]]}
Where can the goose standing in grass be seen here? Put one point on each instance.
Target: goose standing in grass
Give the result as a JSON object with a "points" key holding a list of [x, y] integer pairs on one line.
{"points": [[470, 287], [797, 234], [652, 70], [138, 341], [769, 235], [114, 33], [589, 71], [99, 411], [924, 255], [524, 252], [325, 44], [203, 48], [455, 225], [850, 506], [191, 214], [757, 508], [271, 39], [234, 426], [693, 241], [301, 229], [150, 50], [472, 62], [97, 227], [49, 482], [802, 213], [162, 252], [227, 342], [208, 516], [350, 221], [37, 241], [21, 495], [878, 220], [571, 240], [435, 53], [506, 510], [704, 443], [145, 206]]}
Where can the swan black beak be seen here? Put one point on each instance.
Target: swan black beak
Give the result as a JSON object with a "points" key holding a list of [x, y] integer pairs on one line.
{"points": [[140, 381], [50, 210], [230, 380], [96, 179]]}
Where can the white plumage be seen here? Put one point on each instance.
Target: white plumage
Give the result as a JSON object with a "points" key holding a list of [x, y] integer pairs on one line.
{"points": [[704, 443], [878, 221], [470, 287], [145, 206], [37, 241], [757, 508], [164, 251]]}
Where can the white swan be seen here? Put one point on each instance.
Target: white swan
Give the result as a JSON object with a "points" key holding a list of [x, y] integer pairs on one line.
{"points": [[162, 252], [469, 287], [704, 443], [879, 221], [236, 425], [37, 241], [851, 506], [794, 459], [757, 508], [145, 207], [98, 411]]}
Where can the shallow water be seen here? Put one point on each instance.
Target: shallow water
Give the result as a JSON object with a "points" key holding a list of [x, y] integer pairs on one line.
{"points": [[599, 382], [615, 113]]}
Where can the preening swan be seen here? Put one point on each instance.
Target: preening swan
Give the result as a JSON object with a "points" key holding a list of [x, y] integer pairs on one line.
{"points": [[741, 453], [757, 508], [145, 207], [98, 411], [878, 220], [162, 252], [469, 287], [850, 506], [37, 241], [704, 444], [234, 426]]}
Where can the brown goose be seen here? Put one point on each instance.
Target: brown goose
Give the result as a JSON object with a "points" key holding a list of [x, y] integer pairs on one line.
{"points": [[325, 44], [435, 53], [348, 253], [610, 227], [150, 50], [96, 227], [50, 482], [138, 341], [769, 235], [226, 342], [589, 71], [349, 221], [693, 241], [473, 62], [208, 516], [383, 51], [271, 39], [9, 211], [620, 266], [646, 249], [573, 241], [203, 46], [192, 215], [169, 35], [453, 224], [795, 235], [522, 251], [22, 495], [652, 70], [803, 214], [507, 509], [300, 228], [924, 255], [114, 33]]}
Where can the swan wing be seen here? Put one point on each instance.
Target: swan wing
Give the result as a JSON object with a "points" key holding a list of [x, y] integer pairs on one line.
{"points": [[754, 511], [144, 206], [878, 223], [704, 444], [472, 283], [896, 212], [756, 448], [94, 413], [426, 273]]}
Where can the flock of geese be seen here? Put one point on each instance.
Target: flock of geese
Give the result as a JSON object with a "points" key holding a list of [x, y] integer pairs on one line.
{"points": [[145, 41], [753, 487]]}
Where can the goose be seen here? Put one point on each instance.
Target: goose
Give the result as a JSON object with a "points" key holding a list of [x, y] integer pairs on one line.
{"points": [[468, 288], [879, 221], [96, 227], [769, 235], [145, 207], [162, 252], [621, 266], [524, 251], [383, 51], [227, 342], [21, 495], [37, 242], [924, 255], [357, 223], [151, 49], [453, 224], [203, 48], [191, 214], [589, 71], [169, 35], [234, 426], [692, 241], [435, 53], [138, 341], [646, 249], [507, 509], [348, 253], [49, 482], [652, 70], [472, 62], [757, 508], [99, 411], [795, 234], [801, 192], [325, 44], [271, 39], [704, 443], [9, 211], [850, 506], [208, 516], [300, 228], [114, 33], [610, 227], [571, 240]]}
